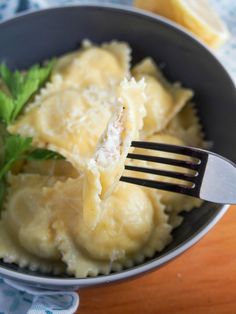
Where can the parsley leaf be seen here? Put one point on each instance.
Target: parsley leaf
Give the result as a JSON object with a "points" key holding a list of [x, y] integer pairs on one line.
{"points": [[43, 154], [22, 86], [15, 147], [6, 107], [18, 147], [32, 81], [2, 192], [40, 73], [29, 88], [13, 80]]}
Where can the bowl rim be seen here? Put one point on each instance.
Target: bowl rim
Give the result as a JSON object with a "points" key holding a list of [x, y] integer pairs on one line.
{"points": [[130, 10], [125, 274], [168, 256]]}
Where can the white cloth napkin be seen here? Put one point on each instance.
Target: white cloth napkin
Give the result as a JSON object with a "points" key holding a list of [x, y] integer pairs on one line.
{"points": [[19, 299]]}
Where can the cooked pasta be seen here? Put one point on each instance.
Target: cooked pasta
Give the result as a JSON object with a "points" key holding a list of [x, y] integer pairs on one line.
{"points": [[71, 213]]}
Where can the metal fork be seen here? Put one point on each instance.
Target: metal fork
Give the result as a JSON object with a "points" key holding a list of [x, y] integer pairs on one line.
{"points": [[213, 177]]}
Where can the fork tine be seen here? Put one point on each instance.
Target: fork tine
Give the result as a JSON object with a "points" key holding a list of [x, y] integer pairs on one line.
{"points": [[165, 173], [188, 190], [168, 161], [180, 150]]}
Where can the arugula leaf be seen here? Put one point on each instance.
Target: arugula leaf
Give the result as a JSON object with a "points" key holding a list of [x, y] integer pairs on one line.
{"points": [[43, 154], [22, 87], [15, 147]]}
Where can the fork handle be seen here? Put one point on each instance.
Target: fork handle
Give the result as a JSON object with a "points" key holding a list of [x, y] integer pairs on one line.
{"points": [[219, 181]]}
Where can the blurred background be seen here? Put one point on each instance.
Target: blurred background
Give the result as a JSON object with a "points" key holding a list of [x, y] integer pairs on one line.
{"points": [[212, 21]]}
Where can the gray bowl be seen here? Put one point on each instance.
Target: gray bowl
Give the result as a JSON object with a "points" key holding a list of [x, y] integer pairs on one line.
{"points": [[34, 37]]}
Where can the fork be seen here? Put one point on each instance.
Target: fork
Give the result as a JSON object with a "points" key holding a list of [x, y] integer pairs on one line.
{"points": [[212, 177]]}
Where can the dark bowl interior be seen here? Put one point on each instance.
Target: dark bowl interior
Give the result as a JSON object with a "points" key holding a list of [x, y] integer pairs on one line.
{"points": [[37, 36]]}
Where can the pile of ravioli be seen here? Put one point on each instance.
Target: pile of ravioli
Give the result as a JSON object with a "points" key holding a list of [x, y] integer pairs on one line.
{"points": [[74, 215]]}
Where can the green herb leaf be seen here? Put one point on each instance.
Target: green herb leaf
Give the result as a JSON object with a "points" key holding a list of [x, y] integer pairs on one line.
{"points": [[15, 147], [30, 87], [40, 73], [6, 107], [43, 154], [13, 80], [22, 87], [2, 192]]}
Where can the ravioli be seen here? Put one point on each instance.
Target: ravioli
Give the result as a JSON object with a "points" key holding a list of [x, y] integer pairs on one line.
{"points": [[102, 172], [186, 126], [123, 127], [54, 168], [67, 121], [26, 234], [164, 100], [129, 229], [12, 252], [30, 225], [104, 66]]}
